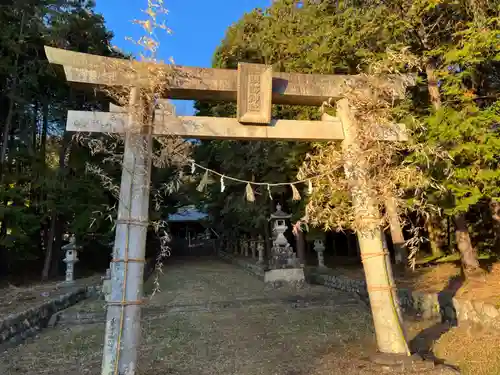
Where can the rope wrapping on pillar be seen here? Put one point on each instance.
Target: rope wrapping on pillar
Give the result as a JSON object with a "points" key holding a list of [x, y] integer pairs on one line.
{"points": [[125, 303], [141, 223], [129, 260]]}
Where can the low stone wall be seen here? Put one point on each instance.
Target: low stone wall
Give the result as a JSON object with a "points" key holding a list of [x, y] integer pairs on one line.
{"points": [[428, 305], [17, 327]]}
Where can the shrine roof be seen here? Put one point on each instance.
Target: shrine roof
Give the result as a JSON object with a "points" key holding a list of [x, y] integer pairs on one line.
{"points": [[187, 213]]}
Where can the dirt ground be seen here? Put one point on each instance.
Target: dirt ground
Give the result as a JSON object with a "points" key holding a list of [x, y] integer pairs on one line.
{"points": [[229, 322]]}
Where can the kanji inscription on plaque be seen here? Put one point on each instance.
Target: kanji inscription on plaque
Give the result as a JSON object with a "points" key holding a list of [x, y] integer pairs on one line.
{"points": [[255, 84]]}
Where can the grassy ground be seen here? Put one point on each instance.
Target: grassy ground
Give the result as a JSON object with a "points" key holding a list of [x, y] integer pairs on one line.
{"points": [[259, 338]]}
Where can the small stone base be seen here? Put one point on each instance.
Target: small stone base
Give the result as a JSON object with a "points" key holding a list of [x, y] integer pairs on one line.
{"points": [[278, 277], [403, 364]]}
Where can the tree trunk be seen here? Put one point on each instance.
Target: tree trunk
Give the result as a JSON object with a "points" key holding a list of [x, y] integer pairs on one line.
{"points": [[56, 247], [34, 131], [10, 113], [435, 239], [301, 247], [433, 223], [448, 233], [390, 275], [432, 86], [43, 140], [495, 215], [468, 253], [49, 248], [397, 236], [5, 136]]}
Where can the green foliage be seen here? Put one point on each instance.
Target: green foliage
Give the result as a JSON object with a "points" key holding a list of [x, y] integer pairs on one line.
{"points": [[455, 40], [44, 174]]}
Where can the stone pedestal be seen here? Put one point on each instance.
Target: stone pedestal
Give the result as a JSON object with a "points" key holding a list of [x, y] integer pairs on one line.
{"points": [[294, 276]]}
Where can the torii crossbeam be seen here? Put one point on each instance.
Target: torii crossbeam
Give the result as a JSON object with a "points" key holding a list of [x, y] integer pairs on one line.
{"points": [[255, 88]]}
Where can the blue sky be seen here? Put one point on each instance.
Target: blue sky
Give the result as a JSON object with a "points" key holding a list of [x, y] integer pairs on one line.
{"points": [[198, 27]]}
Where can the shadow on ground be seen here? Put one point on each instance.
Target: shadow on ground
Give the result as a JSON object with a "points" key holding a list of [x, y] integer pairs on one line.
{"points": [[424, 341]]}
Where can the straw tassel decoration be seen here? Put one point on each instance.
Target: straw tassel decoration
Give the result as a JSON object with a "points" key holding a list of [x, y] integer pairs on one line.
{"points": [[269, 192], [203, 182], [295, 193], [249, 193], [222, 185]]}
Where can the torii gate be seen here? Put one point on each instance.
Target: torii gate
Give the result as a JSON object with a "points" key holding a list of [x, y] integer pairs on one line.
{"points": [[255, 88]]}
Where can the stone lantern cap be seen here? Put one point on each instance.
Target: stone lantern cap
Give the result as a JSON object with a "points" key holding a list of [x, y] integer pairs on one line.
{"points": [[71, 245], [71, 250], [279, 214]]}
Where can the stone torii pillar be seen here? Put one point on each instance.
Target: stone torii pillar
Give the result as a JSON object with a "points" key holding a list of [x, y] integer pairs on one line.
{"points": [[127, 266], [382, 294]]}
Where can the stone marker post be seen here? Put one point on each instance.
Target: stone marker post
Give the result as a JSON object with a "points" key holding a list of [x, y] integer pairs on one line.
{"points": [[319, 247], [260, 250], [253, 247], [247, 246]]}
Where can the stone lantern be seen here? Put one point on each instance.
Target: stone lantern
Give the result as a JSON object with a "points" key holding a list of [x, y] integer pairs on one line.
{"points": [[279, 226], [283, 262], [282, 254], [71, 258]]}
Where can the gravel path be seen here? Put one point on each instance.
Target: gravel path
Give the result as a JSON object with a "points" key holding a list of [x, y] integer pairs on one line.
{"points": [[213, 318]]}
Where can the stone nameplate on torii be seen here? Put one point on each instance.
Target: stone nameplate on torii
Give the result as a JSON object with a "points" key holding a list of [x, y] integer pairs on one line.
{"points": [[254, 98]]}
